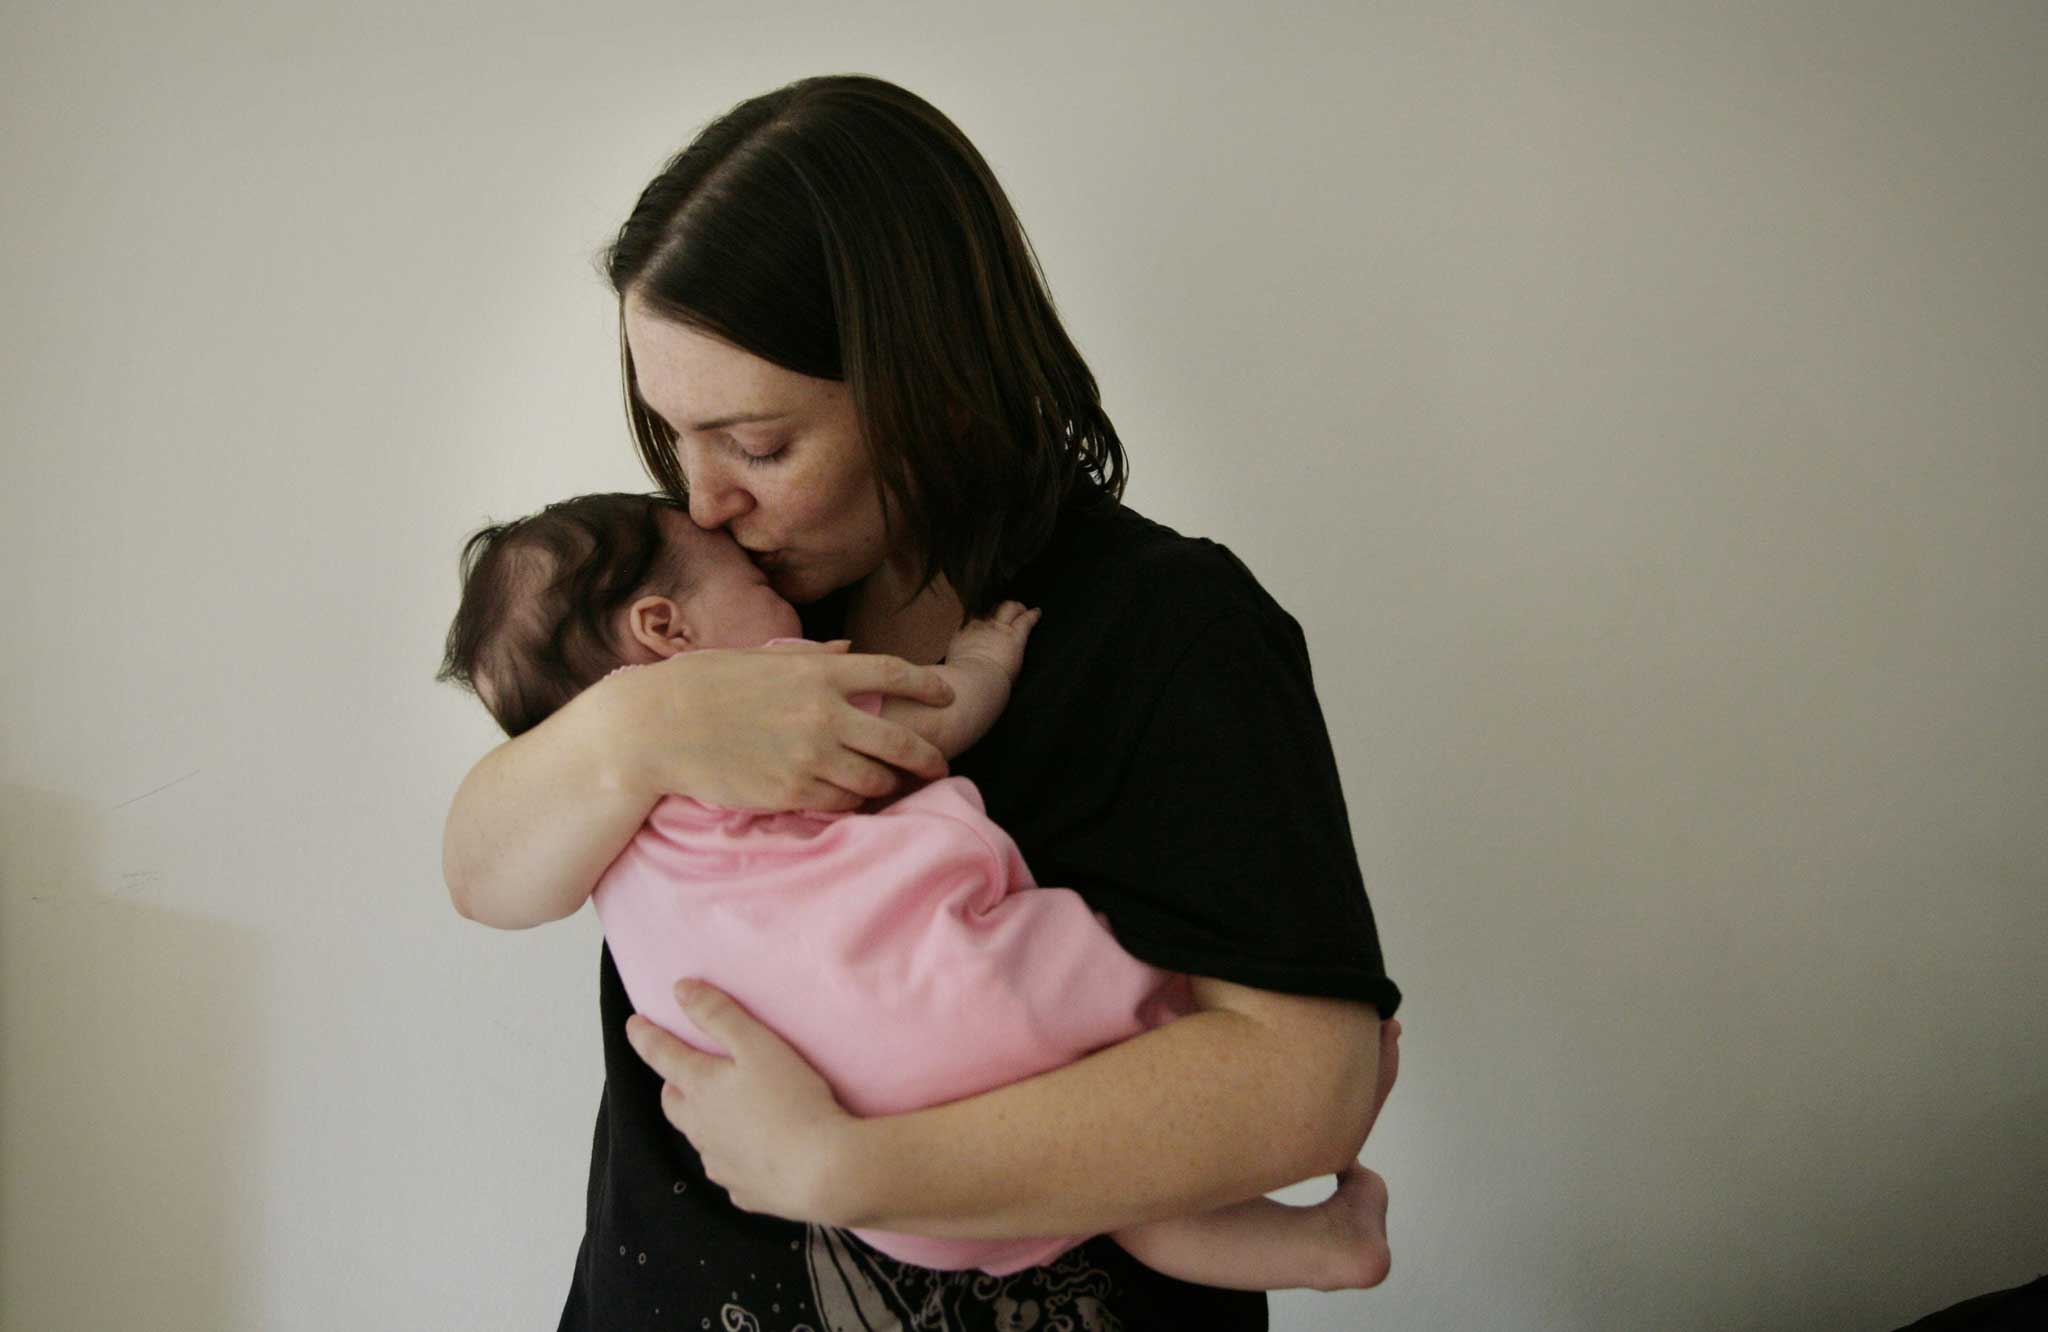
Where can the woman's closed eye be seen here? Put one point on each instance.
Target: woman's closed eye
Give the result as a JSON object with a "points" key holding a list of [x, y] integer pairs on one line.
{"points": [[759, 455]]}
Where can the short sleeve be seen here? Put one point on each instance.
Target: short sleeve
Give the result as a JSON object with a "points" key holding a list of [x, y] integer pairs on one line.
{"points": [[1225, 849]]}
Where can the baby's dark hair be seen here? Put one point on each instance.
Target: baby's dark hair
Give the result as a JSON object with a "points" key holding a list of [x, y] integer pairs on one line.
{"points": [[540, 598]]}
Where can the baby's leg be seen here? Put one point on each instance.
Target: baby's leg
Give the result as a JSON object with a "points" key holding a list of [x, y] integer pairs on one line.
{"points": [[1340, 1244]]}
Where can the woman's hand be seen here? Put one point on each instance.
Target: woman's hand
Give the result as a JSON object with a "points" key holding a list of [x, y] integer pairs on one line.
{"points": [[539, 818], [766, 1125], [772, 728]]}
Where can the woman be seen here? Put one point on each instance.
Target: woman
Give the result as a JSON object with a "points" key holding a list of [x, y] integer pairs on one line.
{"points": [[837, 348]]}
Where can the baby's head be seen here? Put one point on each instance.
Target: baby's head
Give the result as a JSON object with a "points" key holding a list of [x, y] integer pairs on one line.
{"points": [[554, 602]]}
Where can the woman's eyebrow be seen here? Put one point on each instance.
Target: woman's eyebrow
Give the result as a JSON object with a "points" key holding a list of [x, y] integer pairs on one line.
{"points": [[738, 418]]}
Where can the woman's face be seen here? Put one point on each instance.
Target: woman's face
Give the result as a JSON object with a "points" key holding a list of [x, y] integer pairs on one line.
{"points": [[772, 456]]}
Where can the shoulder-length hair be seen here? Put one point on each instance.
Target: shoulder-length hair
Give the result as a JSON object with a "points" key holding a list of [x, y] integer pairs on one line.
{"points": [[844, 228]]}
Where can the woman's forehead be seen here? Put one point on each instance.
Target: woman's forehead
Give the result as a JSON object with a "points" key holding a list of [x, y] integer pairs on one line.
{"points": [[691, 368], [695, 381]]}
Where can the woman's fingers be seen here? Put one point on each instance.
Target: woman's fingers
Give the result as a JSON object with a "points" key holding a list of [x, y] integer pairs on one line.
{"points": [[849, 771], [869, 674], [827, 798], [838, 645], [890, 743], [662, 1052], [774, 729]]}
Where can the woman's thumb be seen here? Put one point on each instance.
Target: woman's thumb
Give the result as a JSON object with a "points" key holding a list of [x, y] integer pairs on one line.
{"points": [[805, 645]]}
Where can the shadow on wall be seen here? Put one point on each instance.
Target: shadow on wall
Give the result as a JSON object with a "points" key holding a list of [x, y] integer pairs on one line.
{"points": [[130, 1092]]}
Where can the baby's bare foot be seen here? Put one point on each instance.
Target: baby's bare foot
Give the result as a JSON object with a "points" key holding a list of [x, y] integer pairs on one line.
{"points": [[1357, 1217]]}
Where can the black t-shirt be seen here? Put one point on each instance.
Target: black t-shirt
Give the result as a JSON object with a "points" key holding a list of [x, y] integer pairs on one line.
{"points": [[1163, 755]]}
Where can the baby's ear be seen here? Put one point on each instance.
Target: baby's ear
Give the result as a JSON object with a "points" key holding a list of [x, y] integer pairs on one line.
{"points": [[654, 629]]}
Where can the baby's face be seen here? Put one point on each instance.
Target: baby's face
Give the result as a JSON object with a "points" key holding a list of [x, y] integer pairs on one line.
{"points": [[729, 603]]}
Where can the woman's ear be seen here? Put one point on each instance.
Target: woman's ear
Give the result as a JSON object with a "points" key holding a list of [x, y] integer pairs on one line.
{"points": [[655, 629]]}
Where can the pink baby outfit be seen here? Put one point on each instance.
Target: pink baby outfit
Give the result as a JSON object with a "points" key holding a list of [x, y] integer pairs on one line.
{"points": [[906, 954]]}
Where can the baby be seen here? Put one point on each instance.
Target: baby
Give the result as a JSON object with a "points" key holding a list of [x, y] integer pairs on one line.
{"points": [[904, 951]]}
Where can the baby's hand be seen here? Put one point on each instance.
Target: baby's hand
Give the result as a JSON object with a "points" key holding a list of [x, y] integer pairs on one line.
{"points": [[996, 641]]}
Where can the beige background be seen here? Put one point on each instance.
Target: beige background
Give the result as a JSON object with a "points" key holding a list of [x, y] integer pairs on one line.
{"points": [[1641, 407]]}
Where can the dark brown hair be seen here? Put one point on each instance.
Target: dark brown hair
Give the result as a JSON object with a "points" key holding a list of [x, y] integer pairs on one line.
{"points": [[843, 228], [539, 597]]}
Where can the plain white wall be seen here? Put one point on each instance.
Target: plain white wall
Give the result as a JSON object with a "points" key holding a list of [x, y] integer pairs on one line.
{"points": [[1643, 413]]}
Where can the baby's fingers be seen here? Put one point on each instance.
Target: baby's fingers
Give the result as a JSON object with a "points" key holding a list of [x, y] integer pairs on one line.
{"points": [[1006, 612]]}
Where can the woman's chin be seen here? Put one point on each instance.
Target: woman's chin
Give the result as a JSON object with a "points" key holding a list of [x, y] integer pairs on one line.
{"points": [[794, 588], [779, 617]]}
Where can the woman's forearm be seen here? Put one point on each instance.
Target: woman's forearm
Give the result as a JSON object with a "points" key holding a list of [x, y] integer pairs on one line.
{"points": [[538, 819], [1208, 1110]]}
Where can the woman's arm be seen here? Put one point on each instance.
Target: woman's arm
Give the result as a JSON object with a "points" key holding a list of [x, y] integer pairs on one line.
{"points": [[1252, 1092], [538, 819]]}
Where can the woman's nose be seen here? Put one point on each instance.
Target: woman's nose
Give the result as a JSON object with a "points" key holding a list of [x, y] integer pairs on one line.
{"points": [[714, 499]]}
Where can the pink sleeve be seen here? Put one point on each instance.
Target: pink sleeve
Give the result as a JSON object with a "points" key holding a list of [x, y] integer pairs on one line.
{"points": [[908, 955]]}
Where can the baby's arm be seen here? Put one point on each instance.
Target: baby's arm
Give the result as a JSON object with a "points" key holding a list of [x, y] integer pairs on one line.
{"points": [[981, 663], [1339, 1244]]}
